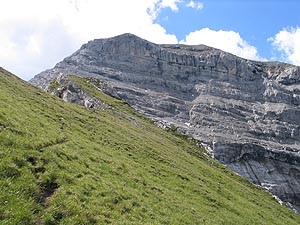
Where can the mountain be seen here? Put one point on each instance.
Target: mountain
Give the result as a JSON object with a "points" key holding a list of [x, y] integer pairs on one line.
{"points": [[246, 113], [62, 163]]}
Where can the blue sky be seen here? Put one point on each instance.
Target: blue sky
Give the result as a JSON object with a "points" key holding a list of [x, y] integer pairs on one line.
{"points": [[36, 34], [256, 21]]}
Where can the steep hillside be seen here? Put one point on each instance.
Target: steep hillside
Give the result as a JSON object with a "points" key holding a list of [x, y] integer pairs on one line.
{"points": [[62, 163], [246, 112]]}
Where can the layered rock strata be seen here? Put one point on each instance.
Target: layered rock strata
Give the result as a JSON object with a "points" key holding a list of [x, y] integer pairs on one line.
{"points": [[246, 112]]}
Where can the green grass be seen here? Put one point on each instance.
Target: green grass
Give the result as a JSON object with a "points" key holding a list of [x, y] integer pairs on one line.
{"points": [[53, 85], [64, 164]]}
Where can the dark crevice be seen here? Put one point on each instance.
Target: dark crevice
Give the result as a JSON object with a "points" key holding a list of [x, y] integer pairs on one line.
{"points": [[47, 189]]}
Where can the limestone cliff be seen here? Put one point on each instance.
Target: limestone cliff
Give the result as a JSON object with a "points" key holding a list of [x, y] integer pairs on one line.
{"points": [[246, 112]]}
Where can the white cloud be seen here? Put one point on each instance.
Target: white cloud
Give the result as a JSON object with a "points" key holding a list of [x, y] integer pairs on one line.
{"points": [[287, 42], [33, 44], [158, 5], [36, 34], [228, 41], [195, 5], [172, 4]]}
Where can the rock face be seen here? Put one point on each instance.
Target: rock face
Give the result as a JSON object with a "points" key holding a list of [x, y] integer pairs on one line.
{"points": [[69, 91], [246, 112]]}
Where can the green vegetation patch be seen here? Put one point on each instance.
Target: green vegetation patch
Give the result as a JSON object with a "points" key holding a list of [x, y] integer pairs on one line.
{"points": [[53, 85], [64, 164]]}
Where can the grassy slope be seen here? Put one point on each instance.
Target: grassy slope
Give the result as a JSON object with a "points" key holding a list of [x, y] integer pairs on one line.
{"points": [[61, 163]]}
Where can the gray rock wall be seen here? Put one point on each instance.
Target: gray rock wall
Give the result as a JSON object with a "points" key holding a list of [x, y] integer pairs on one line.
{"points": [[247, 112]]}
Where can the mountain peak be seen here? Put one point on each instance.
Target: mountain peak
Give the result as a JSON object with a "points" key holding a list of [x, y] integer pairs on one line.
{"points": [[245, 111], [123, 38], [126, 35]]}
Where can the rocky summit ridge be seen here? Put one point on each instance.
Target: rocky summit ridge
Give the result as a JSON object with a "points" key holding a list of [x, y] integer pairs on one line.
{"points": [[247, 113]]}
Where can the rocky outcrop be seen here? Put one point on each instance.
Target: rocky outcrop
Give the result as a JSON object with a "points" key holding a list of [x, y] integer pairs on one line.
{"points": [[246, 112], [69, 91]]}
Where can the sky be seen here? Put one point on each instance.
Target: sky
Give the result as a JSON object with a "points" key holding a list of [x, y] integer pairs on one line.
{"points": [[37, 34]]}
